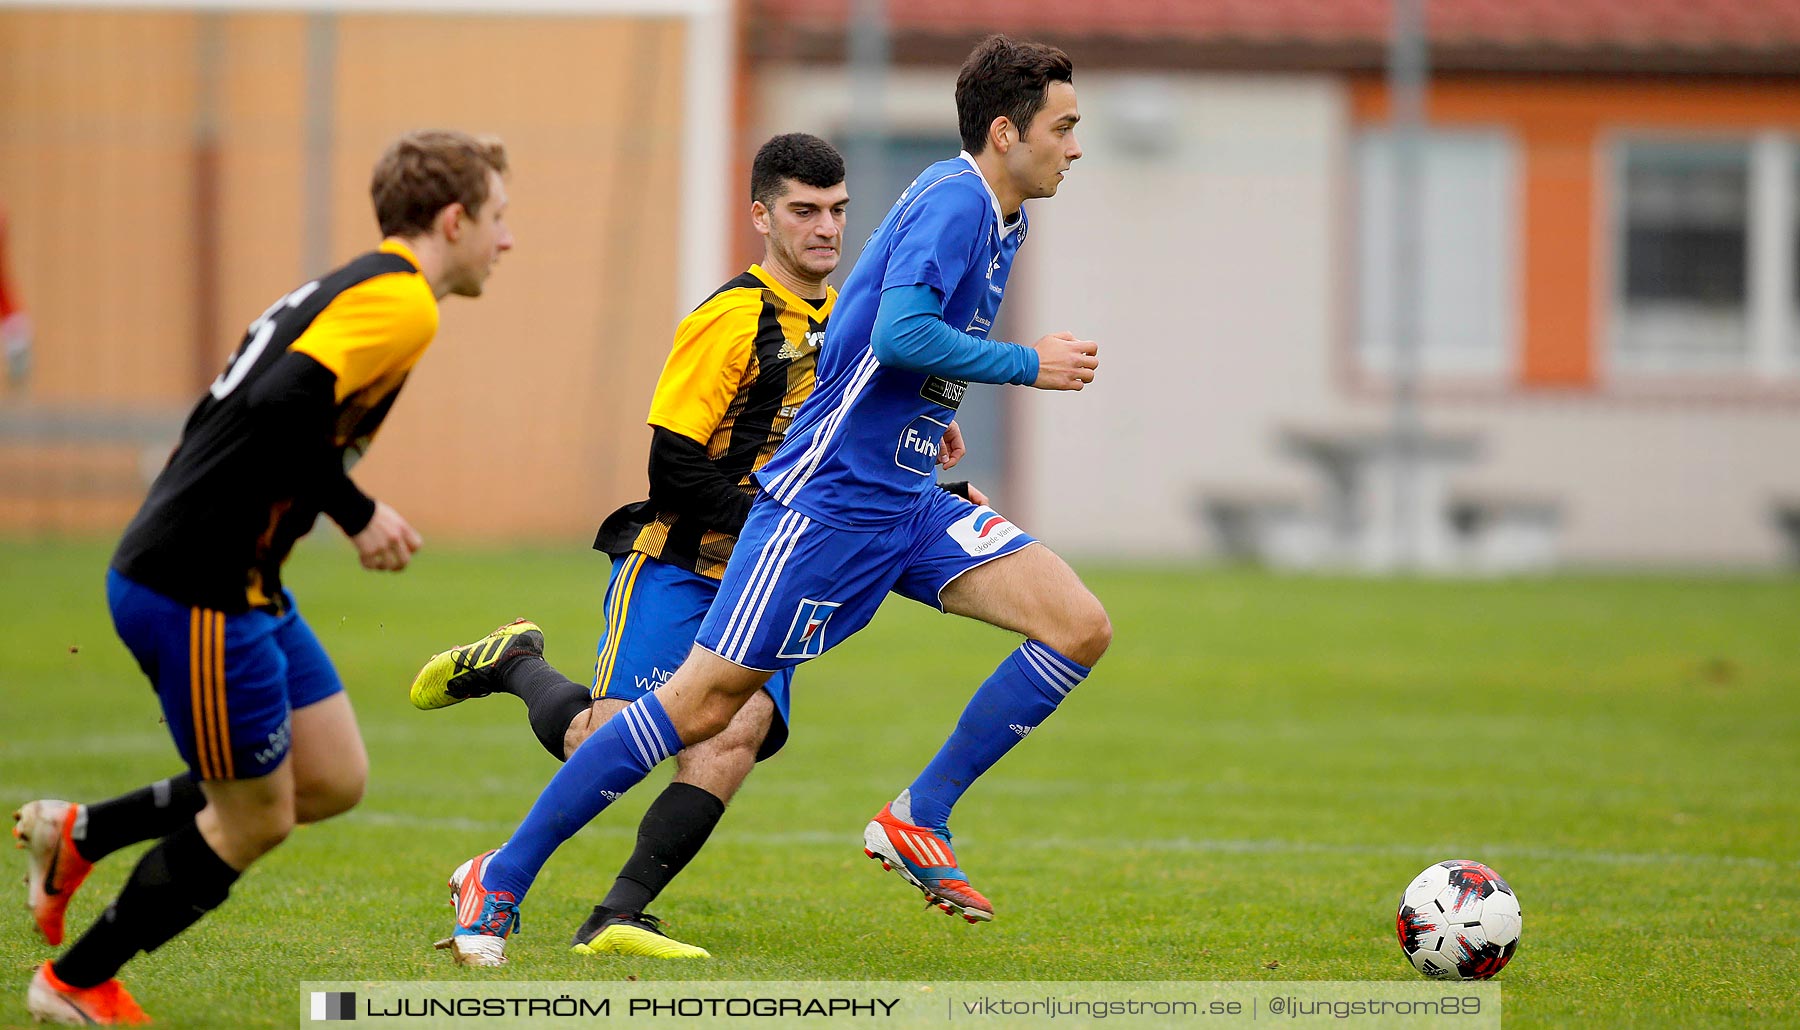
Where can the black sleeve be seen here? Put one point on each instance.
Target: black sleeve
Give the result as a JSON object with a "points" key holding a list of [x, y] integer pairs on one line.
{"points": [[684, 480], [295, 408], [960, 488]]}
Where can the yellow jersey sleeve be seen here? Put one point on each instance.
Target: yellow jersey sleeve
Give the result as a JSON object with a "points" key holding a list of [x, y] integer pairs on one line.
{"points": [[712, 352], [375, 328]]}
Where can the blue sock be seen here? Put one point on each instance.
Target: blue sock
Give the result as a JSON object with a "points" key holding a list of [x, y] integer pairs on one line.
{"points": [[618, 755], [1020, 694]]}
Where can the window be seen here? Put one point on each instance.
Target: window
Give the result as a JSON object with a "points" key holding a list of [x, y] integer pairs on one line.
{"points": [[1467, 280], [1683, 287]]}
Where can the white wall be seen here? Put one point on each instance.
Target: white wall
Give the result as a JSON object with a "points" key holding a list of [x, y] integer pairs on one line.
{"points": [[1646, 482], [1194, 242]]}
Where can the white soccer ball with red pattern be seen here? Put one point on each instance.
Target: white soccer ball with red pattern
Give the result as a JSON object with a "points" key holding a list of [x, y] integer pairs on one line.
{"points": [[1459, 920]]}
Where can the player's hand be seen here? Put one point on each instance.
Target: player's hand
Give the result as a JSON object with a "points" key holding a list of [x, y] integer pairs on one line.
{"points": [[1065, 362], [387, 543], [977, 497], [953, 448]]}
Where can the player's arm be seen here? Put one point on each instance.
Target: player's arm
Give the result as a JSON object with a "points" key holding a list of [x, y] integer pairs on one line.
{"points": [[950, 452], [295, 408], [367, 331], [704, 369], [685, 479], [934, 248], [910, 333]]}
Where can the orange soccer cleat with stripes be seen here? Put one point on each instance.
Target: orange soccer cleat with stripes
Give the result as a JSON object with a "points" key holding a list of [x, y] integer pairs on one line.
{"points": [[484, 918], [923, 858], [107, 1004], [45, 829]]}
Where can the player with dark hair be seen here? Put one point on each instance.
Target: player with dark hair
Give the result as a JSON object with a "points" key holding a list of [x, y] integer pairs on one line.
{"points": [[847, 512], [250, 697], [739, 369]]}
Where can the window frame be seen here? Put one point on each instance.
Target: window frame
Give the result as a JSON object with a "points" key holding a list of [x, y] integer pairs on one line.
{"points": [[1771, 309], [1498, 366]]}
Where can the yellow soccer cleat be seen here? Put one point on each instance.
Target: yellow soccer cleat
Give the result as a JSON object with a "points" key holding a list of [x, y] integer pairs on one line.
{"points": [[474, 670], [639, 935]]}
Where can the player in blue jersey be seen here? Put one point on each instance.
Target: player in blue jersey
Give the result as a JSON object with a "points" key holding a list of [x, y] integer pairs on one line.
{"points": [[849, 510]]}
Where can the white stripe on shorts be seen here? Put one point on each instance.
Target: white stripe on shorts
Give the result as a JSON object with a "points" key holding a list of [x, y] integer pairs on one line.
{"points": [[768, 591], [757, 572], [744, 617]]}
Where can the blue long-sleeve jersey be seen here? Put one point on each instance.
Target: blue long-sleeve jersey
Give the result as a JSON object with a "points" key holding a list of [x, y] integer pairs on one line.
{"points": [[863, 450]]}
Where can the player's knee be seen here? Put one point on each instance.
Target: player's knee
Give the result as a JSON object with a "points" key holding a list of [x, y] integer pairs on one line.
{"points": [[733, 742], [323, 800], [1090, 632], [270, 835], [587, 722], [258, 831], [720, 765], [710, 719], [334, 790]]}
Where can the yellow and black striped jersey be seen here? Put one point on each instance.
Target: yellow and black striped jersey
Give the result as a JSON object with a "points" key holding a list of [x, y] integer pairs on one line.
{"points": [[742, 364], [270, 445]]}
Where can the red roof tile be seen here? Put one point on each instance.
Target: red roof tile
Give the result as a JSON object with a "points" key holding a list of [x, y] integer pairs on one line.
{"points": [[1609, 26]]}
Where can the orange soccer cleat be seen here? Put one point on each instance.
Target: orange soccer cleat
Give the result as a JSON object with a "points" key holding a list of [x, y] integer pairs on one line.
{"points": [[923, 858], [43, 828], [107, 1004]]}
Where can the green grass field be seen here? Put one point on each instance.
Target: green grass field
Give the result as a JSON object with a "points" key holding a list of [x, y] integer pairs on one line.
{"points": [[1239, 793]]}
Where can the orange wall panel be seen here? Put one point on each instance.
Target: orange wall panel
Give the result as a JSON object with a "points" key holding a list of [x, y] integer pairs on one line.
{"points": [[95, 122], [1557, 260], [527, 416], [1561, 124]]}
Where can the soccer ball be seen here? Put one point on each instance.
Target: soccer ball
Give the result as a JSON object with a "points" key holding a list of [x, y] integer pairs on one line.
{"points": [[1458, 920]]}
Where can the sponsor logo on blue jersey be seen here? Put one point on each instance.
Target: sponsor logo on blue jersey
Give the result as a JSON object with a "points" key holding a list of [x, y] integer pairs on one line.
{"points": [[918, 448], [982, 531], [948, 392], [806, 637], [987, 522]]}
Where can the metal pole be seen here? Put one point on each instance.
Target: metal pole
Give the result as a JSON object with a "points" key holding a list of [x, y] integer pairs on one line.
{"points": [[1406, 75], [321, 129], [866, 131], [209, 58]]}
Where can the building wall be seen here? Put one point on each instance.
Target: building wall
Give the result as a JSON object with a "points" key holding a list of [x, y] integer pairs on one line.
{"points": [[1192, 243], [1207, 241], [1195, 242], [527, 416]]}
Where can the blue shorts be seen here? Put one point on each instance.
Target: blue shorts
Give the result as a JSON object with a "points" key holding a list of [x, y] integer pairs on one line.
{"points": [[228, 683], [653, 610], [796, 587]]}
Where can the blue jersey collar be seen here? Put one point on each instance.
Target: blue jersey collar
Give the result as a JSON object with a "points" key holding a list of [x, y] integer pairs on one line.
{"points": [[1001, 225]]}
